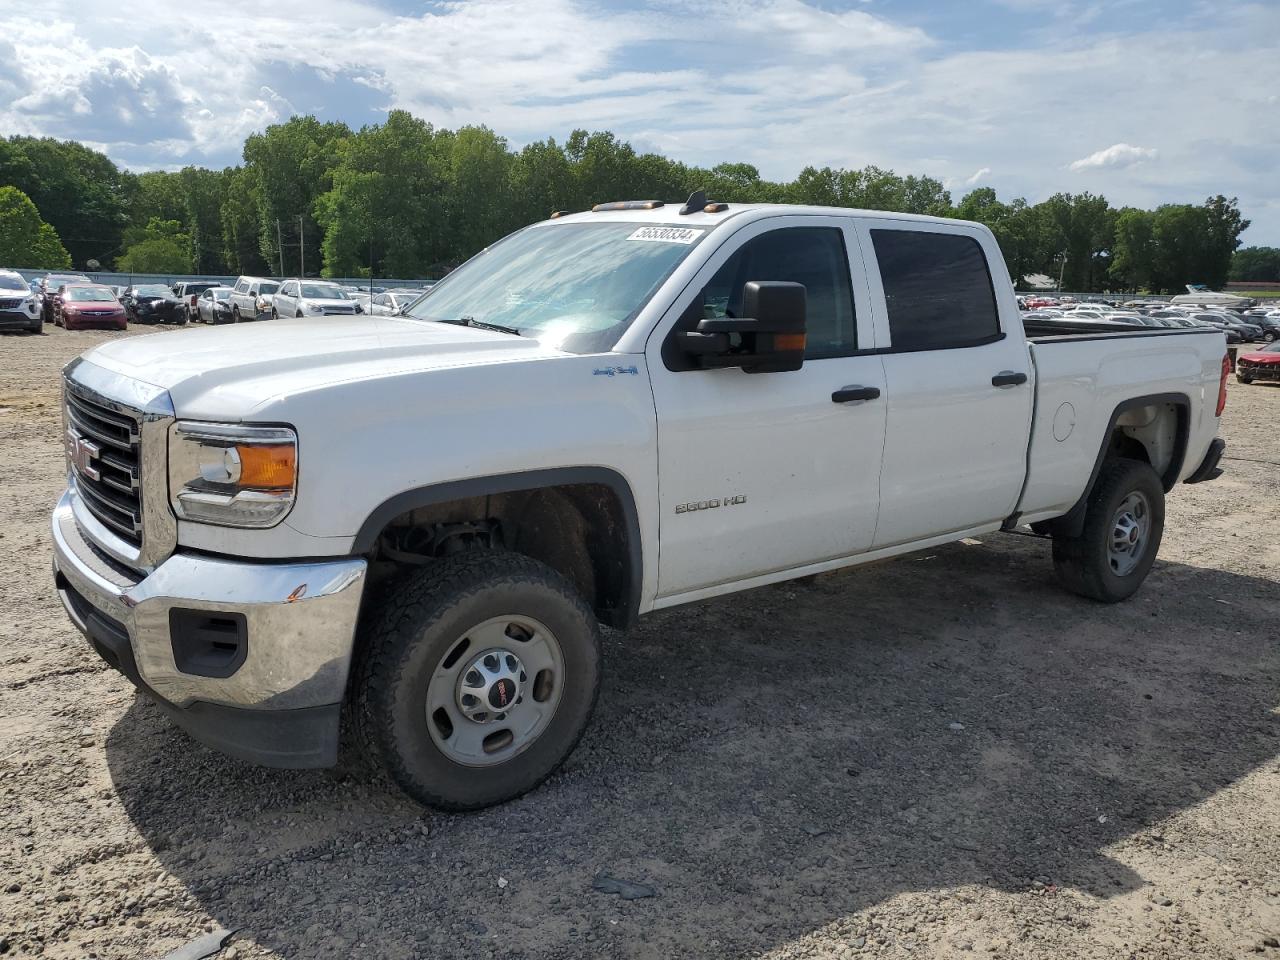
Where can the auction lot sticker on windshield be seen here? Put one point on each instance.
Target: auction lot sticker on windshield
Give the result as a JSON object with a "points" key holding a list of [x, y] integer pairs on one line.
{"points": [[667, 234]]}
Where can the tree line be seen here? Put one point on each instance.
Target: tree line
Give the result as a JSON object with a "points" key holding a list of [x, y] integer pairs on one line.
{"points": [[406, 199]]}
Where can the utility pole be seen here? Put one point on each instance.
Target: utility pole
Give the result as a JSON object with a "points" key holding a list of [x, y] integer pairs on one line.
{"points": [[302, 252], [1061, 270], [371, 271], [280, 248]]}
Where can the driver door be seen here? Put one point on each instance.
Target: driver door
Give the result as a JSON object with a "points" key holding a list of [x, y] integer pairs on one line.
{"points": [[769, 472]]}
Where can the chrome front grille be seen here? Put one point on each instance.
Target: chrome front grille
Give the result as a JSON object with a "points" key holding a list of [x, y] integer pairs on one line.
{"points": [[104, 450], [116, 431]]}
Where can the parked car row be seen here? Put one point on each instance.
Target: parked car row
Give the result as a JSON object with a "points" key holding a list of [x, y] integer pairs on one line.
{"points": [[1258, 325], [74, 301]]}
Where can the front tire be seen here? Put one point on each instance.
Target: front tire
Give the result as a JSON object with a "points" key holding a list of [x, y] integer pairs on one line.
{"points": [[1123, 526], [476, 679], [1242, 379]]}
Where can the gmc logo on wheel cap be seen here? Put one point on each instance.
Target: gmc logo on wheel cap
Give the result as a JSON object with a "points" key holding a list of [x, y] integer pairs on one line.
{"points": [[82, 453]]}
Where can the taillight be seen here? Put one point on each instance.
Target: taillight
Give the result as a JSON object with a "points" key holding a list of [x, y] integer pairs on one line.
{"points": [[1222, 385]]}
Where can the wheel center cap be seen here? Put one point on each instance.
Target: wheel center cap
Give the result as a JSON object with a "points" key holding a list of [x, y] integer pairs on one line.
{"points": [[502, 694], [490, 686]]}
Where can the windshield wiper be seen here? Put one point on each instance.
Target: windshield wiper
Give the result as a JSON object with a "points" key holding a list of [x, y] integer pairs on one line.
{"points": [[465, 321]]}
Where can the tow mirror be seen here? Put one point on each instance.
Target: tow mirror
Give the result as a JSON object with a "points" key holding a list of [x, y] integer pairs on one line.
{"points": [[769, 338]]}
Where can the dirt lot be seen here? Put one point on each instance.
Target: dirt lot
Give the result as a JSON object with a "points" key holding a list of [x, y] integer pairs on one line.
{"points": [[941, 756]]}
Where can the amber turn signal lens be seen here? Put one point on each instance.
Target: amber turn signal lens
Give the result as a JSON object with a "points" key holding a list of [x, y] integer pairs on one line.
{"points": [[788, 341], [273, 467]]}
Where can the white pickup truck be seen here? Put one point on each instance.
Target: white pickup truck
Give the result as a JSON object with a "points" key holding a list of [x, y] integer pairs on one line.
{"points": [[426, 518]]}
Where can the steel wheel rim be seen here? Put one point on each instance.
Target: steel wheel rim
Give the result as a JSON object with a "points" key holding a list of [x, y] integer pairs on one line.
{"points": [[1130, 530], [512, 657]]}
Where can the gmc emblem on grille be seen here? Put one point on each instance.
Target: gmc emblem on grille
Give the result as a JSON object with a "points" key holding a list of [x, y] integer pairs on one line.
{"points": [[82, 453]]}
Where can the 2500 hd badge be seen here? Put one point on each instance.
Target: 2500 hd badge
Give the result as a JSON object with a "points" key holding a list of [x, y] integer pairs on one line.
{"points": [[710, 504]]}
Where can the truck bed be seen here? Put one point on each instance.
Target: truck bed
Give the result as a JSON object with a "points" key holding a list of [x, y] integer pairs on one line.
{"points": [[1045, 330], [1082, 379]]}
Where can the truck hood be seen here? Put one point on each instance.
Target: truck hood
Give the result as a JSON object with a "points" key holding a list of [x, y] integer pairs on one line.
{"points": [[226, 373]]}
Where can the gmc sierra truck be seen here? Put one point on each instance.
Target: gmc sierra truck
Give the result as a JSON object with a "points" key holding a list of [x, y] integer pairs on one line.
{"points": [[425, 518]]}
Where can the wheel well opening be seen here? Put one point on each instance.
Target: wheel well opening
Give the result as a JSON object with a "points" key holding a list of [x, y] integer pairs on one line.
{"points": [[1154, 433], [580, 530]]}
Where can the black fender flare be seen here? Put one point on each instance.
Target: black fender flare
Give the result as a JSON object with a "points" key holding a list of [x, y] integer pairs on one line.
{"points": [[528, 480], [1071, 523]]}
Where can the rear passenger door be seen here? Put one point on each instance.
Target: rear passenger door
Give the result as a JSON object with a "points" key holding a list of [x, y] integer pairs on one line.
{"points": [[958, 377]]}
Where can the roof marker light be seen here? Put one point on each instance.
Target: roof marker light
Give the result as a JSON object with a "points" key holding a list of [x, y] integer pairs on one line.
{"points": [[627, 205]]}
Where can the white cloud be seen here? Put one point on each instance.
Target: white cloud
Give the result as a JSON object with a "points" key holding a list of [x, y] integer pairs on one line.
{"points": [[1118, 155], [777, 83]]}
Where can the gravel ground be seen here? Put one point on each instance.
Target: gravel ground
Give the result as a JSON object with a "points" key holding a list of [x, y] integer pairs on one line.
{"points": [[940, 756]]}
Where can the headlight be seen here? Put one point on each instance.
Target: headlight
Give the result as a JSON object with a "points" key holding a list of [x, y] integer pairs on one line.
{"points": [[314, 308], [232, 475]]}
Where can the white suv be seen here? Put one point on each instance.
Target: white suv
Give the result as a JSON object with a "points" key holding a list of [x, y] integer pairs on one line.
{"points": [[302, 298], [19, 305]]}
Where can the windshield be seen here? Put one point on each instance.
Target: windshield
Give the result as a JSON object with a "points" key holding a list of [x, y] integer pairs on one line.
{"points": [[268, 286], [576, 286], [13, 283], [220, 293], [152, 290], [320, 291], [90, 295]]}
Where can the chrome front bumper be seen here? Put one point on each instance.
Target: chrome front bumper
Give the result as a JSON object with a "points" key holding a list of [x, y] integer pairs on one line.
{"points": [[298, 627]]}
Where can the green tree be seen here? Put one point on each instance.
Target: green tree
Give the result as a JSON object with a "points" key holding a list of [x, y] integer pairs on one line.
{"points": [[290, 165], [25, 239], [1256, 263], [541, 181], [477, 207], [156, 194], [241, 250], [1134, 253], [159, 247], [1082, 227], [1223, 226], [387, 201], [203, 194], [77, 190]]}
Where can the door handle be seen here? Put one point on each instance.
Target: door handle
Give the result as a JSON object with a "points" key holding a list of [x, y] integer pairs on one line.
{"points": [[1008, 378], [854, 394]]}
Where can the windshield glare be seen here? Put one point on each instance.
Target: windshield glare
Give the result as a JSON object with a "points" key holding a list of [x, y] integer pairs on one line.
{"points": [[90, 295], [13, 283], [575, 286], [322, 291]]}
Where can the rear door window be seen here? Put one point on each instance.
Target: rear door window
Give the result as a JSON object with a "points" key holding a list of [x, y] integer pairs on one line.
{"points": [[937, 290]]}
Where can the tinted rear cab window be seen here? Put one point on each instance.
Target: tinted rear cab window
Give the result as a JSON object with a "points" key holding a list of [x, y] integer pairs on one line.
{"points": [[937, 289]]}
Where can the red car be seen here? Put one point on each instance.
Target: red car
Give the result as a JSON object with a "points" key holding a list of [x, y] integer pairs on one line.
{"points": [[1262, 364], [84, 306]]}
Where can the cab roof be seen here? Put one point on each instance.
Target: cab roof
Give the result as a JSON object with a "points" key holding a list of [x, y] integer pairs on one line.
{"points": [[669, 213]]}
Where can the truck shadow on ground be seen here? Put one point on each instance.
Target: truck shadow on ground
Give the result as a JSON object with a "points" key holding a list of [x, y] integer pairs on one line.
{"points": [[770, 763]]}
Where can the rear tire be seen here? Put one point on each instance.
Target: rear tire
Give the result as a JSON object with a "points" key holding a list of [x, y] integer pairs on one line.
{"points": [[1123, 525], [418, 656]]}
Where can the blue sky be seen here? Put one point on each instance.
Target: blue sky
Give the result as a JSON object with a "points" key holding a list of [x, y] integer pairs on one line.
{"points": [[1146, 102]]}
